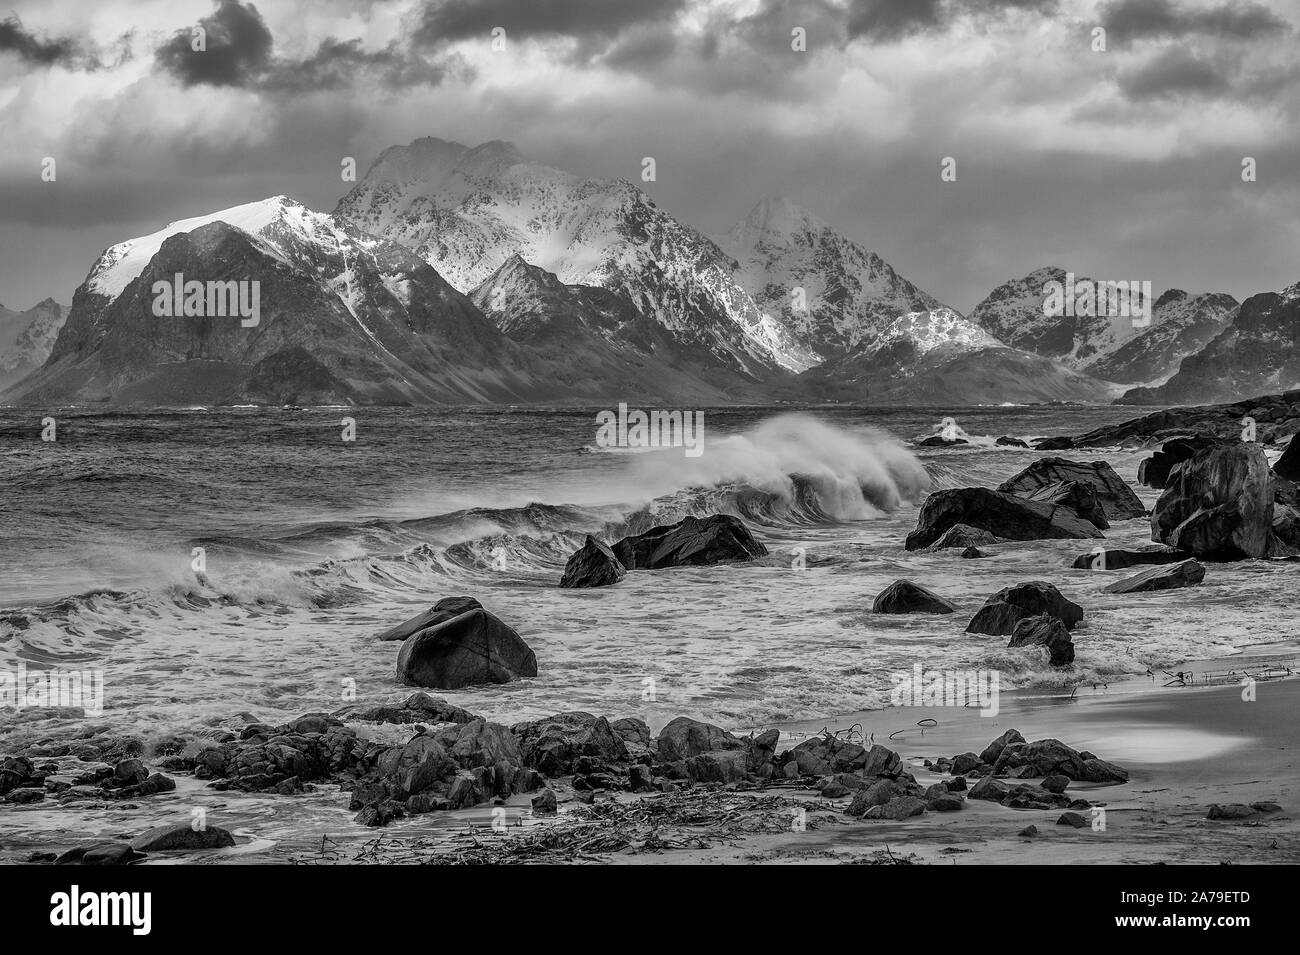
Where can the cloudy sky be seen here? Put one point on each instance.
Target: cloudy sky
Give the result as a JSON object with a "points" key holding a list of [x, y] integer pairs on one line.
{"points": [[1122, 163]]}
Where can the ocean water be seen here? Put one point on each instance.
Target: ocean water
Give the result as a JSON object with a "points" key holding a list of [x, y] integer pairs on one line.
{"points": [[314, 544]]}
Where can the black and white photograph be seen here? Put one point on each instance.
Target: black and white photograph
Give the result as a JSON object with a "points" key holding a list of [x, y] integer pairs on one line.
{"points": [[650, 432]]}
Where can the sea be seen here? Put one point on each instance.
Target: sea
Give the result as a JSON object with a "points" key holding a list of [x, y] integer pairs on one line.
{"points": [[222, 565]]}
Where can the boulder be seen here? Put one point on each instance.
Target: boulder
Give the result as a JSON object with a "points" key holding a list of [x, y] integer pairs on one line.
{"points": [[1045, 631], [718, 766], [1051, 757], [1189, 573], [1077, 496], [877, 794], [1218, 504], [1010, 605], [545, 803], [635, 735], [469, 649], [962, 535], [442, 611], [182, 836], [994, 749], [416, 708], [1056, 783], [555, 744], [1154, 471], [904, 807], [1072, 819], [1103, 559], [692, 542], [946, 803], [592, 565], [1116, 499], [1008, 442], [1009, 516], [903, 596], [972, 553], [1233, 810], [1288, 465], [826, 755], [1061, 443], [988, 788], [684, 737], [101, 853]]}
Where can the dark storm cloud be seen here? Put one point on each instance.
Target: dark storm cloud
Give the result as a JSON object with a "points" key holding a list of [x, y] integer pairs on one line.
{"points": [[1129, 20], [886, 20], [15, 39], [446, 21], [1173, 73], [237, 49], [239, 53]]}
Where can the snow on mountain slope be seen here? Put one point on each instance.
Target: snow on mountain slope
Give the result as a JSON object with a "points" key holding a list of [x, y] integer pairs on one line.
{"points": [[849, 293], [27, 338], [466, 211], [1014, 313], [1181, 325]]}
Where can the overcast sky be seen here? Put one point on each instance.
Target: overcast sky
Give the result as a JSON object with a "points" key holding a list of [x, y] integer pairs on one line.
{"points": [[1125, 163]]}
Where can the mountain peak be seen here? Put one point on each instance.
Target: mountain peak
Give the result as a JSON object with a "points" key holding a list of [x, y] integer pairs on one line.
{"points": [[778, 215]]}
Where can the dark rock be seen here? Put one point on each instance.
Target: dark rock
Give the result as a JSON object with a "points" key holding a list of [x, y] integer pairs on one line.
{"points": [[593, 565], [683, 738], [1072, 819], [1234, 810], [826, 755], [903, 596], [24, 796], [545, 803], [1189, 573], [691, 542], [1045, 631], [640, 779], [1010, 605], [470, 649], [1009, 442], [416, 708], [102, 853], [962, 535], [903, 807], [129, 772], [635, 735], [1154, 471], [939, 441], [988, 788], [182, 836], [1103, 559], [717, 766], [994, 749], [1218, 504], [963, 764], [972, 553], [441, 612], [1288, 465], [877, 794], [946, 803], [1116, 498], [1029, 831], [1054, 444], [1056, 783], [1077, 496], [1048, 757], [1010, 517], [554, 745], [1265, 807]]}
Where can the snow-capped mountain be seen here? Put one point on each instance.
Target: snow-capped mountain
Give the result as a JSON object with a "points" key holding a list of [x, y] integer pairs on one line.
{"points": [[466, 211], [940, 357], [829, 291], [1015, 314], [1258, 353], [344, 317], [26, 339], [1181, 325]]}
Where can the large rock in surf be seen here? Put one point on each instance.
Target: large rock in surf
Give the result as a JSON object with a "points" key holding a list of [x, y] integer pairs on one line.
{"points": [[1189, 573], [1010, 605], [592, 565], [1103, 559], [695, 541], [472, 648], [443, 610], [1288, 465], [1155, 470], [1117, 498], [963, 536], [903, 596], [1045, 631], [1006, 515], [554, 745], [1218, 504], [1077, 496], [182, 836], [684, 737]]}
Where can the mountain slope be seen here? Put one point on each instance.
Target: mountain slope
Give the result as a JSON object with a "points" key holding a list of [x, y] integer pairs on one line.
{"points": [[1182, 325], [345, 318], [851, 293], [466, 211], [940, 357], [1014, 314], [1258, 353], [26, 339]]}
